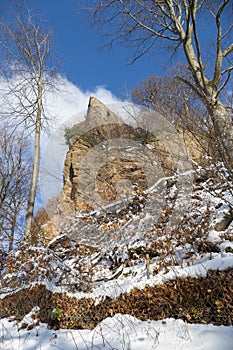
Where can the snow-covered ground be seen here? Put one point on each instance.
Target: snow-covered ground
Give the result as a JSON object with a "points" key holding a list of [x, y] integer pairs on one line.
{"points": [[121, 332]]}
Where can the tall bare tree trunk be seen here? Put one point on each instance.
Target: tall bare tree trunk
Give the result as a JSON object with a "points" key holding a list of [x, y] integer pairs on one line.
{"points": [[36, 162], [223, 133], [27, 46]]}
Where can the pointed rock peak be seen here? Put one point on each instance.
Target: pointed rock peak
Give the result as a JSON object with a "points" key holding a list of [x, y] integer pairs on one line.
{"points": [[93, 101], [98, 114]]}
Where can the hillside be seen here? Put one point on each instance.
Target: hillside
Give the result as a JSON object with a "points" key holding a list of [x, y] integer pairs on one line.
{"points": [[143, 227]]}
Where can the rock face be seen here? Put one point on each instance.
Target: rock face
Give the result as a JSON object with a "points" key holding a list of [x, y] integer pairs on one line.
{"points": [[105, 159], [109, 161]]}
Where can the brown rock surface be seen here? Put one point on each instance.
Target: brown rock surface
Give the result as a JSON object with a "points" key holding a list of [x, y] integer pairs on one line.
{"points": [[109, 160]]}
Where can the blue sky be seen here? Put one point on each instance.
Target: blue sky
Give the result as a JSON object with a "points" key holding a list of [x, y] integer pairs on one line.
{"points": [[84, 63], [79, 48]]}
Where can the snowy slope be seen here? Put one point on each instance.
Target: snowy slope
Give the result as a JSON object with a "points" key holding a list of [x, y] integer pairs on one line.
{"points": [[109, 270]]}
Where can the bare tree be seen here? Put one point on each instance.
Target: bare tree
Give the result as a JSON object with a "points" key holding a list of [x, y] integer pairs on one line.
{"points": [[29, 71], [142, 25], [181, 106], [171, 97], [178, 103], [14, 179]]}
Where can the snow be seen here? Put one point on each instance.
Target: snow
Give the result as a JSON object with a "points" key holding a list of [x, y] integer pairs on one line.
{"points": [[124, 332], [138, 276], [121, 332]]}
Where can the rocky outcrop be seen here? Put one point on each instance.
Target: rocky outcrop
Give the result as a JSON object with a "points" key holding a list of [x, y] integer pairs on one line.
{"points": [[104, 160], [110, 161]]}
